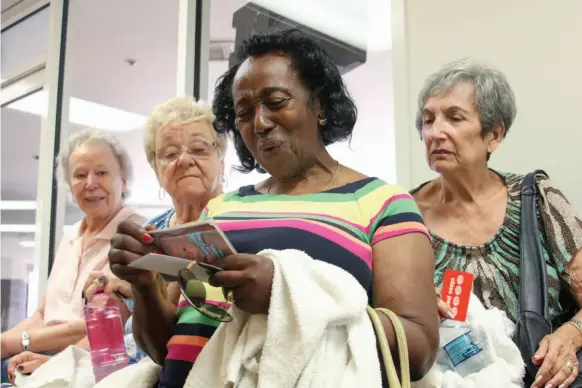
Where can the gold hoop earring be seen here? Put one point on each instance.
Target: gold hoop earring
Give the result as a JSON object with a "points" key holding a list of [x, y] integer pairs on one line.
{"points": [[322, 121]]}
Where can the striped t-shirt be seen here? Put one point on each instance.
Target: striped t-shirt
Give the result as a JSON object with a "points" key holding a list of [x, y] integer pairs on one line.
{"points": [[338, 226]]}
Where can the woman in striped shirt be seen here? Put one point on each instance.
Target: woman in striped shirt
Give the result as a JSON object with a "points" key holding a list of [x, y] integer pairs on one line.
{"points": [[283, 104]]}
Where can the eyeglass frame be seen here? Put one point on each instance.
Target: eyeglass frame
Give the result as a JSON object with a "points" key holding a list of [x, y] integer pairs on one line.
{"points": [[213, 144]]}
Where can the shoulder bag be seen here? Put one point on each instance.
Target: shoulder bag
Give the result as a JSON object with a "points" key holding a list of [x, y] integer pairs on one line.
{"points": [[533, 319]]}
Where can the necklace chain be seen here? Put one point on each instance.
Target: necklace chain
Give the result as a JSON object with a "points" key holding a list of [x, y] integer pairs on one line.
{"points": [[326, 186]]}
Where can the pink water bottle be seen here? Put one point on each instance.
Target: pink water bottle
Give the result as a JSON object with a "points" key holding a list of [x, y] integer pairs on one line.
{"points": [[105, 332]]}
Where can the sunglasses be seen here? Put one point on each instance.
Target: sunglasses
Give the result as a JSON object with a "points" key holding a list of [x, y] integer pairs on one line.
{"points": [[194, 291]]}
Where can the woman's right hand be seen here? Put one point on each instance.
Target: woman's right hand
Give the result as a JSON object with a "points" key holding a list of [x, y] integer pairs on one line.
{"points": [[26, 363], [131, 242], [444, 309]]}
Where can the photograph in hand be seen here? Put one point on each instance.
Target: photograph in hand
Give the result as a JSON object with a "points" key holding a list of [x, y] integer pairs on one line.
{"points": [[199, 241]]}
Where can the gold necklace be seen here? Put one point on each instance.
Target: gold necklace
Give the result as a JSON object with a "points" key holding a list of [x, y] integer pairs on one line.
{"points": [[326, 186]]}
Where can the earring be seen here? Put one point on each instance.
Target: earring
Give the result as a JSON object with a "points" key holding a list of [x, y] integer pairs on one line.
{"points": [[322, 121], [161, 194]]}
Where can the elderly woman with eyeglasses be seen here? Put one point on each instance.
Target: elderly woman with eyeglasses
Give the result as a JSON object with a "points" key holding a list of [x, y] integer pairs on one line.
{"points": [[187, 156]]}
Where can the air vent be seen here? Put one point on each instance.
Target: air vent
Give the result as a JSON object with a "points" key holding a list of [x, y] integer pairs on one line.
{"points": [[253, 18]]}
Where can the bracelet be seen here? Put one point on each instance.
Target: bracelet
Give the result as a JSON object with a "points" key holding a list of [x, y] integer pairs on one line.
{"points": [[576, 323], [25, 341]]}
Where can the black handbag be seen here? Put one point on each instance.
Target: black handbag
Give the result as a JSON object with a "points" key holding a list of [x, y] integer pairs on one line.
{"points": [[533, 319]]}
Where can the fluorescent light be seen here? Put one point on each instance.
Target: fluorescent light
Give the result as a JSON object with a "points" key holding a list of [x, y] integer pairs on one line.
{"points": [[27, 243], [85, 113], [17, 205], [25, 228], [17, 228]]}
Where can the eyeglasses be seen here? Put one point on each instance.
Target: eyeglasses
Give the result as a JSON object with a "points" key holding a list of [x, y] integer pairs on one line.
{"points": [[200, 150], [194, 291]]}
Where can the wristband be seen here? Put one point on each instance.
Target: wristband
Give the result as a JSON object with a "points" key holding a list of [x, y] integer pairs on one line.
{"points": [[25, 341]]}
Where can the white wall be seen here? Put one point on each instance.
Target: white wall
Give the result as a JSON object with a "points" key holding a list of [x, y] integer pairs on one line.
{"points": [[536, 43], [371, 150]]}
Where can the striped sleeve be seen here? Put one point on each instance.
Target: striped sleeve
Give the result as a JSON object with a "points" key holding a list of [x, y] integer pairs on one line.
{"points": [[213, 207], [398, 215]]}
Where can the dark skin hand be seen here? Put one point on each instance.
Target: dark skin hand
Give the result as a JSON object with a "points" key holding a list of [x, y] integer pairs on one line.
{"points": [[250, 277], [154, 316]]}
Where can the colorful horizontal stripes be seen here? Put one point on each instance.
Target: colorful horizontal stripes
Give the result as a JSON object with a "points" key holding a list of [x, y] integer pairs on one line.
{"points": [[338, 226]]}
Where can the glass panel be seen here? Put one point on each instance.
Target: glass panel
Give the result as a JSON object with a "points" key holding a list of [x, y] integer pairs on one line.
{"points": [[122, 64], [19, 171], [25, 42], [358, 38]]}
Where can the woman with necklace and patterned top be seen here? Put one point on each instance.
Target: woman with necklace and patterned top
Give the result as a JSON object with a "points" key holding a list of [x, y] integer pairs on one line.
{"points": [[473, 213]]}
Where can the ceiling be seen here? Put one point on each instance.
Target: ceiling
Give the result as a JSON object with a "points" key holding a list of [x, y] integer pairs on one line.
{"points": [[102, 36]]}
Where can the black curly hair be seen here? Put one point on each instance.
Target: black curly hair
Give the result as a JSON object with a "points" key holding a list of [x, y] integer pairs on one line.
{"points": [[315, 67]]}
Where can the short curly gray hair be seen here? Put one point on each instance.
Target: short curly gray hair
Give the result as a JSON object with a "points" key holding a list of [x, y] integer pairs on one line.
{"points": [[493, 97], [179, 110], [92, 136]]}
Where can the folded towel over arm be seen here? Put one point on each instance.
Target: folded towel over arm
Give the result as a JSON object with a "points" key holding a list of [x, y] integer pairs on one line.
{"points": [[317, 334]]}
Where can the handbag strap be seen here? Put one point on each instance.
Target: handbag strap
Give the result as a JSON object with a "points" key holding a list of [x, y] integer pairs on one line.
{"points": [[533, 295], [394, 381]]}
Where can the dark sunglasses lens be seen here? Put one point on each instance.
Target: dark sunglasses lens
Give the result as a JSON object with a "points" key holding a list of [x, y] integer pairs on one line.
{"points": [[192, 289], [194, 292]]}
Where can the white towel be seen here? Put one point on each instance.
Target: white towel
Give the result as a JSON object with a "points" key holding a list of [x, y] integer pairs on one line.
{"points": [[317, 334], [494, 331], [144, 374], [69, 368]]}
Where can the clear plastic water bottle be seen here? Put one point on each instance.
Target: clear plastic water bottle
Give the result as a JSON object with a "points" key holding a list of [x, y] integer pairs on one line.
{"points": [[459, 350], [105, 333]]}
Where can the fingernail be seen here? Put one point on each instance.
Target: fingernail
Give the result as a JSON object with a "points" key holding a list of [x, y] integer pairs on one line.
{"points": [[158, 251], [538, 378], [20, 368], [549, 385], [562, 386], [146, 238]]}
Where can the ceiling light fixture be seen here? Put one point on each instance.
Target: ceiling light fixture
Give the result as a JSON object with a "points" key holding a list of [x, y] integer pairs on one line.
{"points": [[27, 243], [85, 113], [17, 205], [17, 228]]}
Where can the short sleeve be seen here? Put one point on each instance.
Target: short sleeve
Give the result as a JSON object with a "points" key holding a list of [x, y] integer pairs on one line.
{"points": [[213, 207], [398, 215], [562, 227]]}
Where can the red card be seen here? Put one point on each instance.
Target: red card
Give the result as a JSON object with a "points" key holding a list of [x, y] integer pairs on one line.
{"points": [[456, 291]]}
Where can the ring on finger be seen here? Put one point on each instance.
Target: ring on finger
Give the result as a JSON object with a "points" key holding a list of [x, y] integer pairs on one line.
{"points": [[570, 365]]}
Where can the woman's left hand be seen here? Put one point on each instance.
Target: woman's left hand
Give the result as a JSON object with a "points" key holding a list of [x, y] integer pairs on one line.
{"points": [[26, 363], [108, 283], [249, 277], [557, 357]]}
